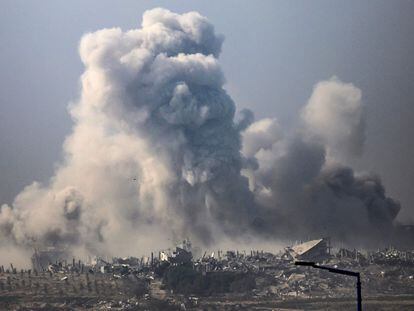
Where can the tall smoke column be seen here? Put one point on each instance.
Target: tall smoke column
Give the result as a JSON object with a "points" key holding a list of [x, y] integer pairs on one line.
{"points": [[155, 154], [154, 150]]}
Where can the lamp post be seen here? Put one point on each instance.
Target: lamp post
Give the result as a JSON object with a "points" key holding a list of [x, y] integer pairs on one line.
{"points": [[339, 271]]}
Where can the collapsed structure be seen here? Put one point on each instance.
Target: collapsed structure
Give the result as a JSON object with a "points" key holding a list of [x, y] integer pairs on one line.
{"points": [[42, 258], [314, 250], [174, 278]]}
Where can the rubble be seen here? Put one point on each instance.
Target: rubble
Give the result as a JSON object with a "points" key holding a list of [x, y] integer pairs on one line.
{"points": [[311, 250], [174, 279]]}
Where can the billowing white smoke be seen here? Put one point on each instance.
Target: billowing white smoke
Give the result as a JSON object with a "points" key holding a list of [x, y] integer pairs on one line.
{"points": [[155, 154], [334, 115]]}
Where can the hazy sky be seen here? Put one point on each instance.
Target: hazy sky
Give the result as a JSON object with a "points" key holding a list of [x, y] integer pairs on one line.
{"points": [[273, 54]]}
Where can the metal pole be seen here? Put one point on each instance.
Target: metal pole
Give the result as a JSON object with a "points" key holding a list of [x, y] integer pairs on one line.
{"points": [[359, 295], [339, 271]]}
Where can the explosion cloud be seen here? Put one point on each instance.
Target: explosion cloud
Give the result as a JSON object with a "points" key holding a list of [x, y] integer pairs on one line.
{"points": [[155, 152]]}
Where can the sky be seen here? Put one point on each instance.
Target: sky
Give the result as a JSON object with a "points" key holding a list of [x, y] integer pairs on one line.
{"points": [[273, 54]]}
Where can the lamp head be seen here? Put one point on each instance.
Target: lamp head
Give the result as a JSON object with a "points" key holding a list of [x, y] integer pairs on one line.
{"points": [[305, 263]]}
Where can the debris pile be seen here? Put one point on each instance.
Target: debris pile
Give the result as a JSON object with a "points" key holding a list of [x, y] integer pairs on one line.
{"points": [[175, 279]]}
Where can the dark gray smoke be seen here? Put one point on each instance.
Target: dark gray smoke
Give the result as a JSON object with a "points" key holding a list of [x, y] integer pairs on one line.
{"points": [[156, 154], [300, 182]]}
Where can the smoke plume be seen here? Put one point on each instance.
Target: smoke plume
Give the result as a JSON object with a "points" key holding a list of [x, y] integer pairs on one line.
{"points": [[157, 154]]}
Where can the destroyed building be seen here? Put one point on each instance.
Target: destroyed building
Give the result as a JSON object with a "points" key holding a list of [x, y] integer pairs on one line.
{"points": [[41, 259], [181, 256], [314, 250], [230, 278]]}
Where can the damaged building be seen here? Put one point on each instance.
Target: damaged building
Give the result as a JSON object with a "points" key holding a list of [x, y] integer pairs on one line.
{"points": [[314, 250], [240, 280], [42, 258]]}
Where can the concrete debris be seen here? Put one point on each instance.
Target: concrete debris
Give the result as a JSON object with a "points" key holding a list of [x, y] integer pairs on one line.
{"points": [[311, 250], [175, 280]]}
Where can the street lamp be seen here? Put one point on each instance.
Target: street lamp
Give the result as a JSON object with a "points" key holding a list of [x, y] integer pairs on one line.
{"points": [[339, 271]]}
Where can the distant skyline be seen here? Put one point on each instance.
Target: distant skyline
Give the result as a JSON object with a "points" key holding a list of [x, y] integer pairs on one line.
{"points": [[273, 54]]}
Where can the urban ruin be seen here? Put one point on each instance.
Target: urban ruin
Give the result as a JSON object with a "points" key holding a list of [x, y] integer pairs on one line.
{"points": [[175, 279], [294, 212]]}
